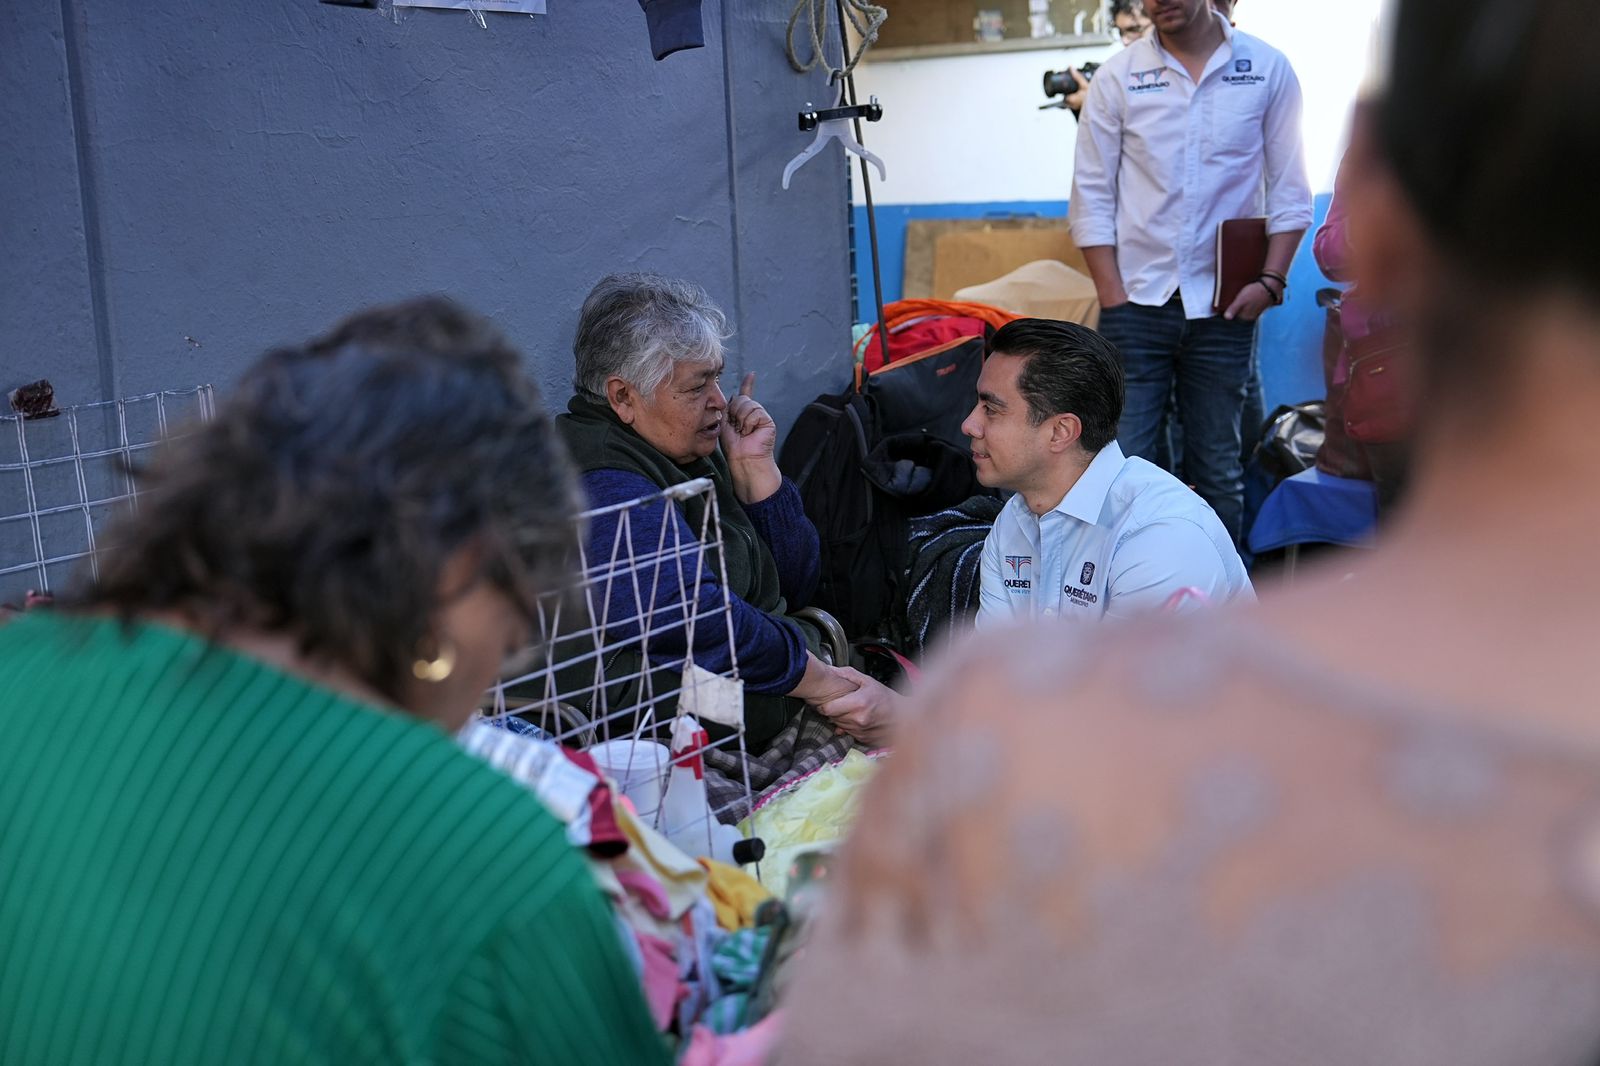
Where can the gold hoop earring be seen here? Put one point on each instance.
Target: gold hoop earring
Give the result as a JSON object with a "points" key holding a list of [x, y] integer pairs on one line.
{"points": [[438, 667]]}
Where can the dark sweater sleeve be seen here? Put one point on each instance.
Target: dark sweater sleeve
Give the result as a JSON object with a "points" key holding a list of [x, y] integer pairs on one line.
{"points": [[674, 26], [781, 521], [672, 587]]}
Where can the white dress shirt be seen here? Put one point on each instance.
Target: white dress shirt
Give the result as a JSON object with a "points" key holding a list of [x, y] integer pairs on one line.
{"points": [[1162, 160], [1122, 541]]}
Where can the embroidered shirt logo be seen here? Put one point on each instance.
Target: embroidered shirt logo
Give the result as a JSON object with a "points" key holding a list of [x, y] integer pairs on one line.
{"points": [[1016, 582], [1087, 574], [1145, 81], [1242, 74]]}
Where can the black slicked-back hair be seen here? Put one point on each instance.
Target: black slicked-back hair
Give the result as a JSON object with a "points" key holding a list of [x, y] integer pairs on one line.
{"points": [[1070, 369]]}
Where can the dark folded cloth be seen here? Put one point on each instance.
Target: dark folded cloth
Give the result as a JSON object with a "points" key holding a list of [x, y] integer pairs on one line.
{"points": [[942, 580], [674, 26]]}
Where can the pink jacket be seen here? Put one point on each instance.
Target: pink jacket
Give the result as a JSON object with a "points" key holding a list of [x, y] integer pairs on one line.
{"points": [[1331, 247]]}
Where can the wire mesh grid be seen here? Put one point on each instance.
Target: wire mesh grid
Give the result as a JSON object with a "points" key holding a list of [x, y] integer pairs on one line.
{"points": [[618, 645], [620, 660], [63, 477]]}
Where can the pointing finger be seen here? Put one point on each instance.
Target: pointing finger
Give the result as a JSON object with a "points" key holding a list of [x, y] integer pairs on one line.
{"points": [[748, 386]]}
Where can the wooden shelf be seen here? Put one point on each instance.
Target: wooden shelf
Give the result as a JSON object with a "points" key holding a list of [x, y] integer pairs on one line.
{"points": [[977, 48]]}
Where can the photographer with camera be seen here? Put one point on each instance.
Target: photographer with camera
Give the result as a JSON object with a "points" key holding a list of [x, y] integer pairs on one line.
{"points": [[1191, 126], [1073, 83]]}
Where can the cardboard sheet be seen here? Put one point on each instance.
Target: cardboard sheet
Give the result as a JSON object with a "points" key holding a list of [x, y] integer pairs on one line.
{"points": [[944, 255]]}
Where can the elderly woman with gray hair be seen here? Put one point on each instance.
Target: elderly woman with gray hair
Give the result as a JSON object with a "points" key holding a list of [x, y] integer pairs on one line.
{"points": [[650, 413]]}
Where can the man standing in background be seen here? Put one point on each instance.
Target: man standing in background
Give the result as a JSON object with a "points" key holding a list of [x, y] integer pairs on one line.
{"points": [[1255, 404], [1186, 128]]}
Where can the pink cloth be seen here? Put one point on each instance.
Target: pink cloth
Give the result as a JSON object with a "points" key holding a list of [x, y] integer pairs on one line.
{"points": [[660, 978], [753, 1047], [606, 838], [1331, 247], [648, 891]]}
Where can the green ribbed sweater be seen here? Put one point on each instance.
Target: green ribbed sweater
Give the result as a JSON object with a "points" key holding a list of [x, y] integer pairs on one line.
{"points": [[205, 860]]}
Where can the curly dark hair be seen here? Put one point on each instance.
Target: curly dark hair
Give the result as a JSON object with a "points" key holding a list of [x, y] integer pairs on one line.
{"points": [[335, 482]]}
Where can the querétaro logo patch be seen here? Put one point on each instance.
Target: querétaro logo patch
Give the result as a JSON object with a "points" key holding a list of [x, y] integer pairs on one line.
{"points": [[1087, 575], [1016, 582], [1241, 74], [1148, 81]]}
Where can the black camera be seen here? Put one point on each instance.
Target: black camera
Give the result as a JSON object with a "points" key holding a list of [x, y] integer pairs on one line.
{"points": [[1062, 83]]}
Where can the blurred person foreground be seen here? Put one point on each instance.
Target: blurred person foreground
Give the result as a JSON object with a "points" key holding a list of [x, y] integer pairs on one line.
{"points": [[1358, 822]]}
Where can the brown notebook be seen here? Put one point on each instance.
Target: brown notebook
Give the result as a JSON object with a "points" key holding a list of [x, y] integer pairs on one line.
{"points": [[1241, 257]]}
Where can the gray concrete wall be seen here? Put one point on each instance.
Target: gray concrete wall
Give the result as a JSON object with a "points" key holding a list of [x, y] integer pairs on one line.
{"points": [[185, 183]]}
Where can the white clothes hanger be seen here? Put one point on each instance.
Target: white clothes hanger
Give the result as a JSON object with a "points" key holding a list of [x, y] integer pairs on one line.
{"points": [[833, 124]]}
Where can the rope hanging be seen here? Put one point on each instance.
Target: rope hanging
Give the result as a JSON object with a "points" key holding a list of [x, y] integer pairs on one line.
{"points": [[866, 18]]}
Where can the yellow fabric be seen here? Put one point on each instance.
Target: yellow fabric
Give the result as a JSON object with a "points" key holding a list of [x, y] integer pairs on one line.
{"points": [[816, 814], [734, 893], [651, 853]]}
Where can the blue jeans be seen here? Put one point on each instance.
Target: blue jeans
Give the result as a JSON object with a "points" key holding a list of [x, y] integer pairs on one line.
{"points": [[1209, 361], [1252, 422]]}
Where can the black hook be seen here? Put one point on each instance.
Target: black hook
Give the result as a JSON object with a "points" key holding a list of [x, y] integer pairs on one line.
{"points": [[872, 111]]}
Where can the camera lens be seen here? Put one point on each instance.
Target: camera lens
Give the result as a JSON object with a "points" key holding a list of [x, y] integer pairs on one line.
{"points": [[1062, 83]]}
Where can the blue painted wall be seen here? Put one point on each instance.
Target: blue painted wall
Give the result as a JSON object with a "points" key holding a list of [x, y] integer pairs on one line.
{"points": [[186, 183], [1290, 337]]}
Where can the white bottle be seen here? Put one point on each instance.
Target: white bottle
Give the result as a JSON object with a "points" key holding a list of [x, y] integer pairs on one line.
{"points": [[686, 817]]}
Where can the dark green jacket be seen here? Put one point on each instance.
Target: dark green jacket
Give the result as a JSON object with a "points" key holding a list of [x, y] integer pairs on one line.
{"points": [[598, 440]]}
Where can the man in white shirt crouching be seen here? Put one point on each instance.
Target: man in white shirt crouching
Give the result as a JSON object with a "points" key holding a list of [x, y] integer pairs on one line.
{"points": [[1090, 533]]}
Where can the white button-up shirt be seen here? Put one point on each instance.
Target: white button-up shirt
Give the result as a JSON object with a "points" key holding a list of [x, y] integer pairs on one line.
{"points": [[1162, 160], [1122, 541]]}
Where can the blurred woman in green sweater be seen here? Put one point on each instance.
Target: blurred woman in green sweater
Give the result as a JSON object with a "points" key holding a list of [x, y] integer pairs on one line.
{"points": [[235, 826]]}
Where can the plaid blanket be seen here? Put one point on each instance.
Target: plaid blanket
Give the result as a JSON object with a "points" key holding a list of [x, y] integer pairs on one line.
{"points": [[805, 745]]}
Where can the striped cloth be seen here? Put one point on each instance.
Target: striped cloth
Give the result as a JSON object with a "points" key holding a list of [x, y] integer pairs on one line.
{"points": [[737, 962], [808, 743], [206, 860], [941, 586]]}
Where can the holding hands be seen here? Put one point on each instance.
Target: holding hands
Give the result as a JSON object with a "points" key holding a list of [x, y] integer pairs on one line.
{"points": [[867, 712], [856, 704]]}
